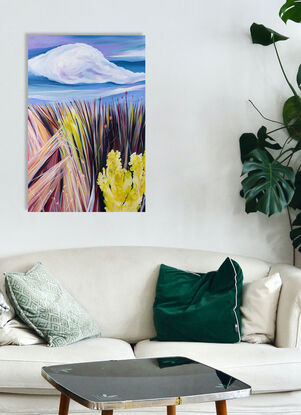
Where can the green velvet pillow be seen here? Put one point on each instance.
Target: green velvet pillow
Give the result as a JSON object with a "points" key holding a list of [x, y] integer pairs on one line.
{"points": [[197, 307], [49, 309]]}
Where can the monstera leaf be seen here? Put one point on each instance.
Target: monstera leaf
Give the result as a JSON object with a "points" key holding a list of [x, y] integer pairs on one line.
{"points": [[296, 200], [291, 10], [299, 77], [249, 141], [295, 234], [264, 36], [292, 116], [268, 184], [265, 140]]}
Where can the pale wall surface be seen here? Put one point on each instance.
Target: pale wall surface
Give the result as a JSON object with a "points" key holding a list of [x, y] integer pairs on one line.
{"points": [[201, 70]]}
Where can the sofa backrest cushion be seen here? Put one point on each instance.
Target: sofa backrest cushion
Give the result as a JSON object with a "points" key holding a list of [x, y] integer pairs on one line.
{"points": [[117, 284]]}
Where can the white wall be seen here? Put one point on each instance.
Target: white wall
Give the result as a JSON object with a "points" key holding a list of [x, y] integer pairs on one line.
{"points": [[201, 70]]}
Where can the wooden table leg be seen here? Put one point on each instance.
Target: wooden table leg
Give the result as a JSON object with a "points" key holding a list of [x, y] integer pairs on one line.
{"points": [[64, 405], [107, 412], [171, 410], [221, 407]]}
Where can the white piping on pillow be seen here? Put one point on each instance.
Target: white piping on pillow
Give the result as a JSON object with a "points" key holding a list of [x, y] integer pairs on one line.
{"points": [[235, 306]]}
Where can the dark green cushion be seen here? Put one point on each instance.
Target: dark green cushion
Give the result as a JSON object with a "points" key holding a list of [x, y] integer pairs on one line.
{"points": [[199, 307]]}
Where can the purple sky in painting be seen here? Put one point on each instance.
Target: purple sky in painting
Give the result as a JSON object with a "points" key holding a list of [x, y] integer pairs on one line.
{"points": [[108, 45], [94, 78]]}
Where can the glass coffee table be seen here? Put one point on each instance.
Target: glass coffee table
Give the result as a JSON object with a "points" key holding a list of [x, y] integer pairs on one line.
{"points": [[140, 383]]}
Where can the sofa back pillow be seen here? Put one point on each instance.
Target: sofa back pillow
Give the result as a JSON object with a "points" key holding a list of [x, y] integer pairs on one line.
{"points": [[17, 333], [199, 307], [259, 309], [3, 304], [7, 312], [41, 302]]}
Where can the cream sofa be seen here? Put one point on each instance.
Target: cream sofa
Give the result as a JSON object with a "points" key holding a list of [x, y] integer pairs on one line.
{"points": [[117, 286]]}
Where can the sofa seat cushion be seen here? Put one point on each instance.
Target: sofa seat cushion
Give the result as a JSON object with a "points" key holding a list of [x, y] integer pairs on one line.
{"points": [[264, 367], [20, 366]]}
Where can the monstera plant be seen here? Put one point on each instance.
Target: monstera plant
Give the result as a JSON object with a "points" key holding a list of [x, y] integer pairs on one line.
{"points": [[271, 173]]}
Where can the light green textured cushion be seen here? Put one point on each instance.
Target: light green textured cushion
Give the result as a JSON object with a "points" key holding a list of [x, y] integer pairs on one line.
{"points": [[49, 309]]}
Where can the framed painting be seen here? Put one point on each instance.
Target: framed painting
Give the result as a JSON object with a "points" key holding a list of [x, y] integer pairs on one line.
{"points": [[86, 123]]}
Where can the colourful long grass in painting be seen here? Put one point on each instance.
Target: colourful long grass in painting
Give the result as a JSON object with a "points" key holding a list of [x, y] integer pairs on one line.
{"points": [[68, 148]]}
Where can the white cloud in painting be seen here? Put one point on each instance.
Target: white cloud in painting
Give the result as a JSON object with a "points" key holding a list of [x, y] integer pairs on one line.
{"points": [[80, 63], [130, 55]]}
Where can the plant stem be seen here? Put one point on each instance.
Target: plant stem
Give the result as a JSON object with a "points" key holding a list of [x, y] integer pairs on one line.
{"points": [[291, 226], [282, 150], [290, 158], [287, 157], [284, 74], [288, 140], [277, 129], [265, 118]]}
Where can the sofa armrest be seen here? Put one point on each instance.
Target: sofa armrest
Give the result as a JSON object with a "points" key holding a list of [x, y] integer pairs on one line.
{"points": [[288, 323]]}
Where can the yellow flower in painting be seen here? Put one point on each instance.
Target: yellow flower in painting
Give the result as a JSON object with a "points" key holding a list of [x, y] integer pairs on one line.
{"points": [[123, 189], [72, 123], [73, 128]]}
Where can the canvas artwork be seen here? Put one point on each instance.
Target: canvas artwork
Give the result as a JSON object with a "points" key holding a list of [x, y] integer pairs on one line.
{"points": [[86, 123]]}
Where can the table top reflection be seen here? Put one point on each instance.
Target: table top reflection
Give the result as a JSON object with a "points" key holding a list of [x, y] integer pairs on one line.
{"points": [[136, 383]]}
